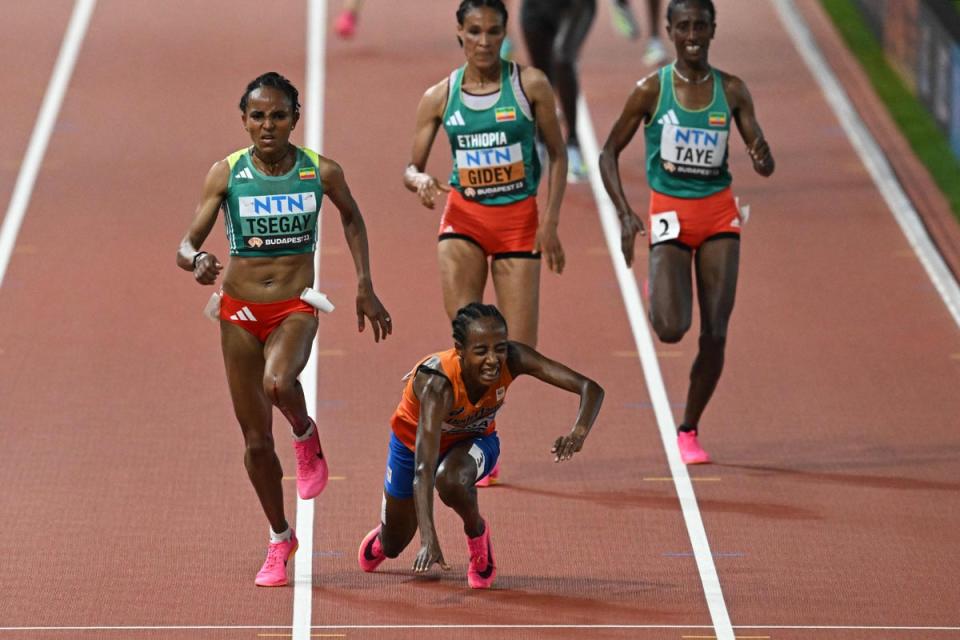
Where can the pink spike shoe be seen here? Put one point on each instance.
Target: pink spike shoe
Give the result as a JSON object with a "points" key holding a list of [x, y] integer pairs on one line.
{"points": [[273, 573], [491, 478], [346, 24], [690, 450], [482, 570], [312, 471], [371, 551]]}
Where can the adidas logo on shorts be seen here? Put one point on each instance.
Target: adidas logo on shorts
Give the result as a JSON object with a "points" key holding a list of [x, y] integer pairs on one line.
{"points": [[244, 315]]}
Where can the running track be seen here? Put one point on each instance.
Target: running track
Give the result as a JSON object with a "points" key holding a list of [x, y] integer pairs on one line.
{"points": [[124, 499]]}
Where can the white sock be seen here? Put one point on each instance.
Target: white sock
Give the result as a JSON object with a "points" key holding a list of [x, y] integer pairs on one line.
{"points": [[306, 434], [280, 537]]}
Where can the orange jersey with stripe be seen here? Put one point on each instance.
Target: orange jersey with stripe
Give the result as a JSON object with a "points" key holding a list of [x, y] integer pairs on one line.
{"points": [[465, 419]]}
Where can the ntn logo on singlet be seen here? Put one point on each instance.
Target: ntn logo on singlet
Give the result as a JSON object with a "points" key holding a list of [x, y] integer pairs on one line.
{"points": [[491, 166], [277, 205], [693, 146]]}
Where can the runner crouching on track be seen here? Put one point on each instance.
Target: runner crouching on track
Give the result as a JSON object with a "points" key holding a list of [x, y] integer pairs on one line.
{"points": [[686, 108], [271, 193], [447, 417], [491, 110]]}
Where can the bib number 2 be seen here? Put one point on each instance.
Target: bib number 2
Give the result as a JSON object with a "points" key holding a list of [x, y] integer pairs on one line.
{"points": [[664, 226]]}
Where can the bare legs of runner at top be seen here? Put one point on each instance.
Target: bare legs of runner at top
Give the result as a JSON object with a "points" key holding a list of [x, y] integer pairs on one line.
{"points": [[716, 265], [625, 22], [346, 23], [555, 30]]}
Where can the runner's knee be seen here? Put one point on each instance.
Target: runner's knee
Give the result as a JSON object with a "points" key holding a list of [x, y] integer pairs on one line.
{"points": [[452, 485], [279, 387], [258, 445], [713, 342], [394, 544], [668, 330]]}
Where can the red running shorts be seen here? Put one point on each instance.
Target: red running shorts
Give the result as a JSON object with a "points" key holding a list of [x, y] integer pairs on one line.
{"points": [[692, 221], [501, 231]]}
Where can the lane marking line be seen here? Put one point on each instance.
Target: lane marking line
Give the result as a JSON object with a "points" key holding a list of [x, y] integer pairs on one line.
{"points": [[871, 155], [630, 292], [692, 479], [43, 129], [313, 635], [347, 627], [313, 138]]}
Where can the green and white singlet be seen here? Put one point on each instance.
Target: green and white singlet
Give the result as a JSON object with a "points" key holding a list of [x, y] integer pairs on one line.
{"points": [[269, 216], [687, 150], [494, 156]]}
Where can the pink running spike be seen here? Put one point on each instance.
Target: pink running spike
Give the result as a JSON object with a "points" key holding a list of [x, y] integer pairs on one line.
{"points": [[346, 24], [273, 573], [371, 551], [690, 450], [482, 569], [312, 471]]}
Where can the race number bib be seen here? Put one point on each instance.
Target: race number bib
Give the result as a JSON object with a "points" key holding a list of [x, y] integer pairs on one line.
{"points": [[664, 226], [689, 152]]}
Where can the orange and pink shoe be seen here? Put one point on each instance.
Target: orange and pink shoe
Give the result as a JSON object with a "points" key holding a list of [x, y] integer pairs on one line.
{"points": [[482, 570], [312, 471], [491, 478], [690, 450], [346, 24], [273, 573], [371, 551]]}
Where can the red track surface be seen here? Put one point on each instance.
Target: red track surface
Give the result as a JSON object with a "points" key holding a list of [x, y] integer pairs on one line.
{"points": [[124, 497]]}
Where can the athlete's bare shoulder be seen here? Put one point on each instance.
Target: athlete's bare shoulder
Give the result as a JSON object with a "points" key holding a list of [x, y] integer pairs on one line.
{"points": [[733, 87], [435, 97], [534, 81], [218, 177], [642, 102], [649, 85]]}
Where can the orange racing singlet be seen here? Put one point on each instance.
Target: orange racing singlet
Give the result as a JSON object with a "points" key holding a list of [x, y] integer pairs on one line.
{"points": [[465, 419]]}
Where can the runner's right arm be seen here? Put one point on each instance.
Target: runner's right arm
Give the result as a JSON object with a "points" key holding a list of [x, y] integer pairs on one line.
{"points": [[429, 116], [640, 107], [205, 266], [436, 399]]}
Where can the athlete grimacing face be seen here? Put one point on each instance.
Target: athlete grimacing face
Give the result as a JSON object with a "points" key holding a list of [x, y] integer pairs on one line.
{"points": [[269, 119], [482, 34], [691, 29], [484, 352]]}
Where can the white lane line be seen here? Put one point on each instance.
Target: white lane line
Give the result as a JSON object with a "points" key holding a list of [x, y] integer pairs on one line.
{"points": [[651, 372], [313, 138], [872, 157], [46, 119], [333, 627]]}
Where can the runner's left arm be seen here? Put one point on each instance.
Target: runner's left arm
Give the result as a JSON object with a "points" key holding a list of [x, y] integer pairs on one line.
{"points": [[368, 305], [538, 89], [741, 104], [522, 359]]}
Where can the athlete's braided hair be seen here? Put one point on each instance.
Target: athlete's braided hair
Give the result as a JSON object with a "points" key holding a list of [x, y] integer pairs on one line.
{"points": [[468, 314], [468, 5], [703, 4], [276, 81]]}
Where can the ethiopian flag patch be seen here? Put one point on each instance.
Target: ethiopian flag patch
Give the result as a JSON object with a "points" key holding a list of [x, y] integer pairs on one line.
{"points": [[308, 174], [506, 114], [717, 119]]}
